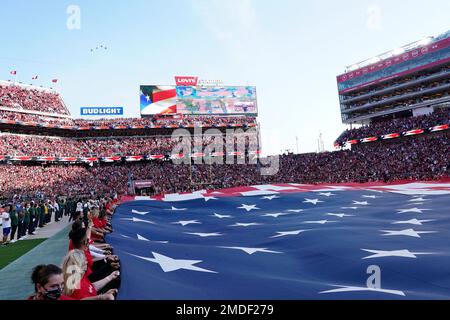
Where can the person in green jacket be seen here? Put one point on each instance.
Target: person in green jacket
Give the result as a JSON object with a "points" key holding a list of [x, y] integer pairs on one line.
{"points": [[14, 221], [26, 219], [41, 213], [20, 215], [33, 218]]}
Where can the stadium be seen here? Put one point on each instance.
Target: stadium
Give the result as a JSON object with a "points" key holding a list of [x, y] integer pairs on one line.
{"points": [[181, 203]]}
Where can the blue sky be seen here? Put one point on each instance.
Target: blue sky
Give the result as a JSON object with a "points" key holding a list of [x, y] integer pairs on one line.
{"points": [[291, 50]]}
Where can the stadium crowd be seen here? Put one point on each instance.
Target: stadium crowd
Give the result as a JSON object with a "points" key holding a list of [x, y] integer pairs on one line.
{"points": [[23, 145], [438, 117], [423, 158], [402, 81], [18, 97], [400, 94], [204, 121]]}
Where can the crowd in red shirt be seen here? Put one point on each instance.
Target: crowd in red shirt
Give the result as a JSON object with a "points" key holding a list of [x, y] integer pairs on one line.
{"points": [[420, 157], [18, 97]]}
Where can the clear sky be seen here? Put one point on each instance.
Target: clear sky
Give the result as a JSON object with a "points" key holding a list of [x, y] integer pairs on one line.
{"points": [[291, 50]]}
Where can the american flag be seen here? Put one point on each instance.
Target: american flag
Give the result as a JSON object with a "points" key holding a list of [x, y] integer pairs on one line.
{"points": [[160, 100], [287, 241]]}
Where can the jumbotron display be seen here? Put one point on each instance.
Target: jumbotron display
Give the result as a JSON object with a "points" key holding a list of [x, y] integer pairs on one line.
{"points": [[198, 100]]}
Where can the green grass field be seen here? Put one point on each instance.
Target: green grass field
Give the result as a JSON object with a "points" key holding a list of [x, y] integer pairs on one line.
{"points": [[11, 252]]}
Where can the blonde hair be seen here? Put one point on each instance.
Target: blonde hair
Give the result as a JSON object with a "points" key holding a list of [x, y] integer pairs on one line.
{"points": [[73, 267], [94, 213]]}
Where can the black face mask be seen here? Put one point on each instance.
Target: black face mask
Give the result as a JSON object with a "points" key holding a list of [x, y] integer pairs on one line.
{"points": [[53, 294]]}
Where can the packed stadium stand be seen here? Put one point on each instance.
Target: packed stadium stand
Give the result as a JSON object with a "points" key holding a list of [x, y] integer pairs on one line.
{"points": [[398, 91], [111, 154]]}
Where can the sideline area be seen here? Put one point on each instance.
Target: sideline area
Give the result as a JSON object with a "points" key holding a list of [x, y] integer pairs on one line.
{"points": [[15, 281]]}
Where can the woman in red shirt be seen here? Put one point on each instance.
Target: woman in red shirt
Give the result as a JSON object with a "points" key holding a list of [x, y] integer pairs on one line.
{"points": [[76, 283], [48, 283]]}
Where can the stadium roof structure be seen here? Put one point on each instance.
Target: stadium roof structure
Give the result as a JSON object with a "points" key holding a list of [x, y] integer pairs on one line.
{"points": [[398, 51]]}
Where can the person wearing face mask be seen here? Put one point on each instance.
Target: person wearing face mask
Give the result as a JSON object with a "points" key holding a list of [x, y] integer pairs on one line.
{"points": [[48, 283]]}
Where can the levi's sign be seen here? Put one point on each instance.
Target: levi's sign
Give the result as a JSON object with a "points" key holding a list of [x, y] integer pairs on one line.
{"points": [[186, 81], [102, 111]]}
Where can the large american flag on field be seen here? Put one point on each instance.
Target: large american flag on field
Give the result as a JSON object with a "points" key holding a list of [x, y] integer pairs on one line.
{"points": [[287, 241]]}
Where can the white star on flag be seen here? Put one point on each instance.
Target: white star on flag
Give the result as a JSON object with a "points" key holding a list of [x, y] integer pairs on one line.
{"points": [[413, 210], [275, 215], [353, 208], [407, 232], [418, 200], [176, 209], [354, 289], [340, 215], [327, 194], [412, 221], [394, 253], [168, 264], [143, 213], [288, 233], [138, 220], [318, 222], [372, 197], [270, 197], [205, 235], [209, 198], [238, 224], [313, 201], [295, 210], [251, 251], [188, 222], [249, 207], [145, 239], [362, 203], [220, 216], [142, 238]]}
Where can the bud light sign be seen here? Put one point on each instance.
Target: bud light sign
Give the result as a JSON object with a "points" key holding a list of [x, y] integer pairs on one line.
{"points": [[103, 111]]}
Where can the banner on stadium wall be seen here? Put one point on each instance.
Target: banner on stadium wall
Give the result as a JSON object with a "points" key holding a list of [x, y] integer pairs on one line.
{"points": [[198, 100], [409, 55], [118, 158], [101, 111], [120, 127], [186, 81], [394, 135]]}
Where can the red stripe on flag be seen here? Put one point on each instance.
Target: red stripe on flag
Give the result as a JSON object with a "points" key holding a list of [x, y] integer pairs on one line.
{"points": [[164, 95]]}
